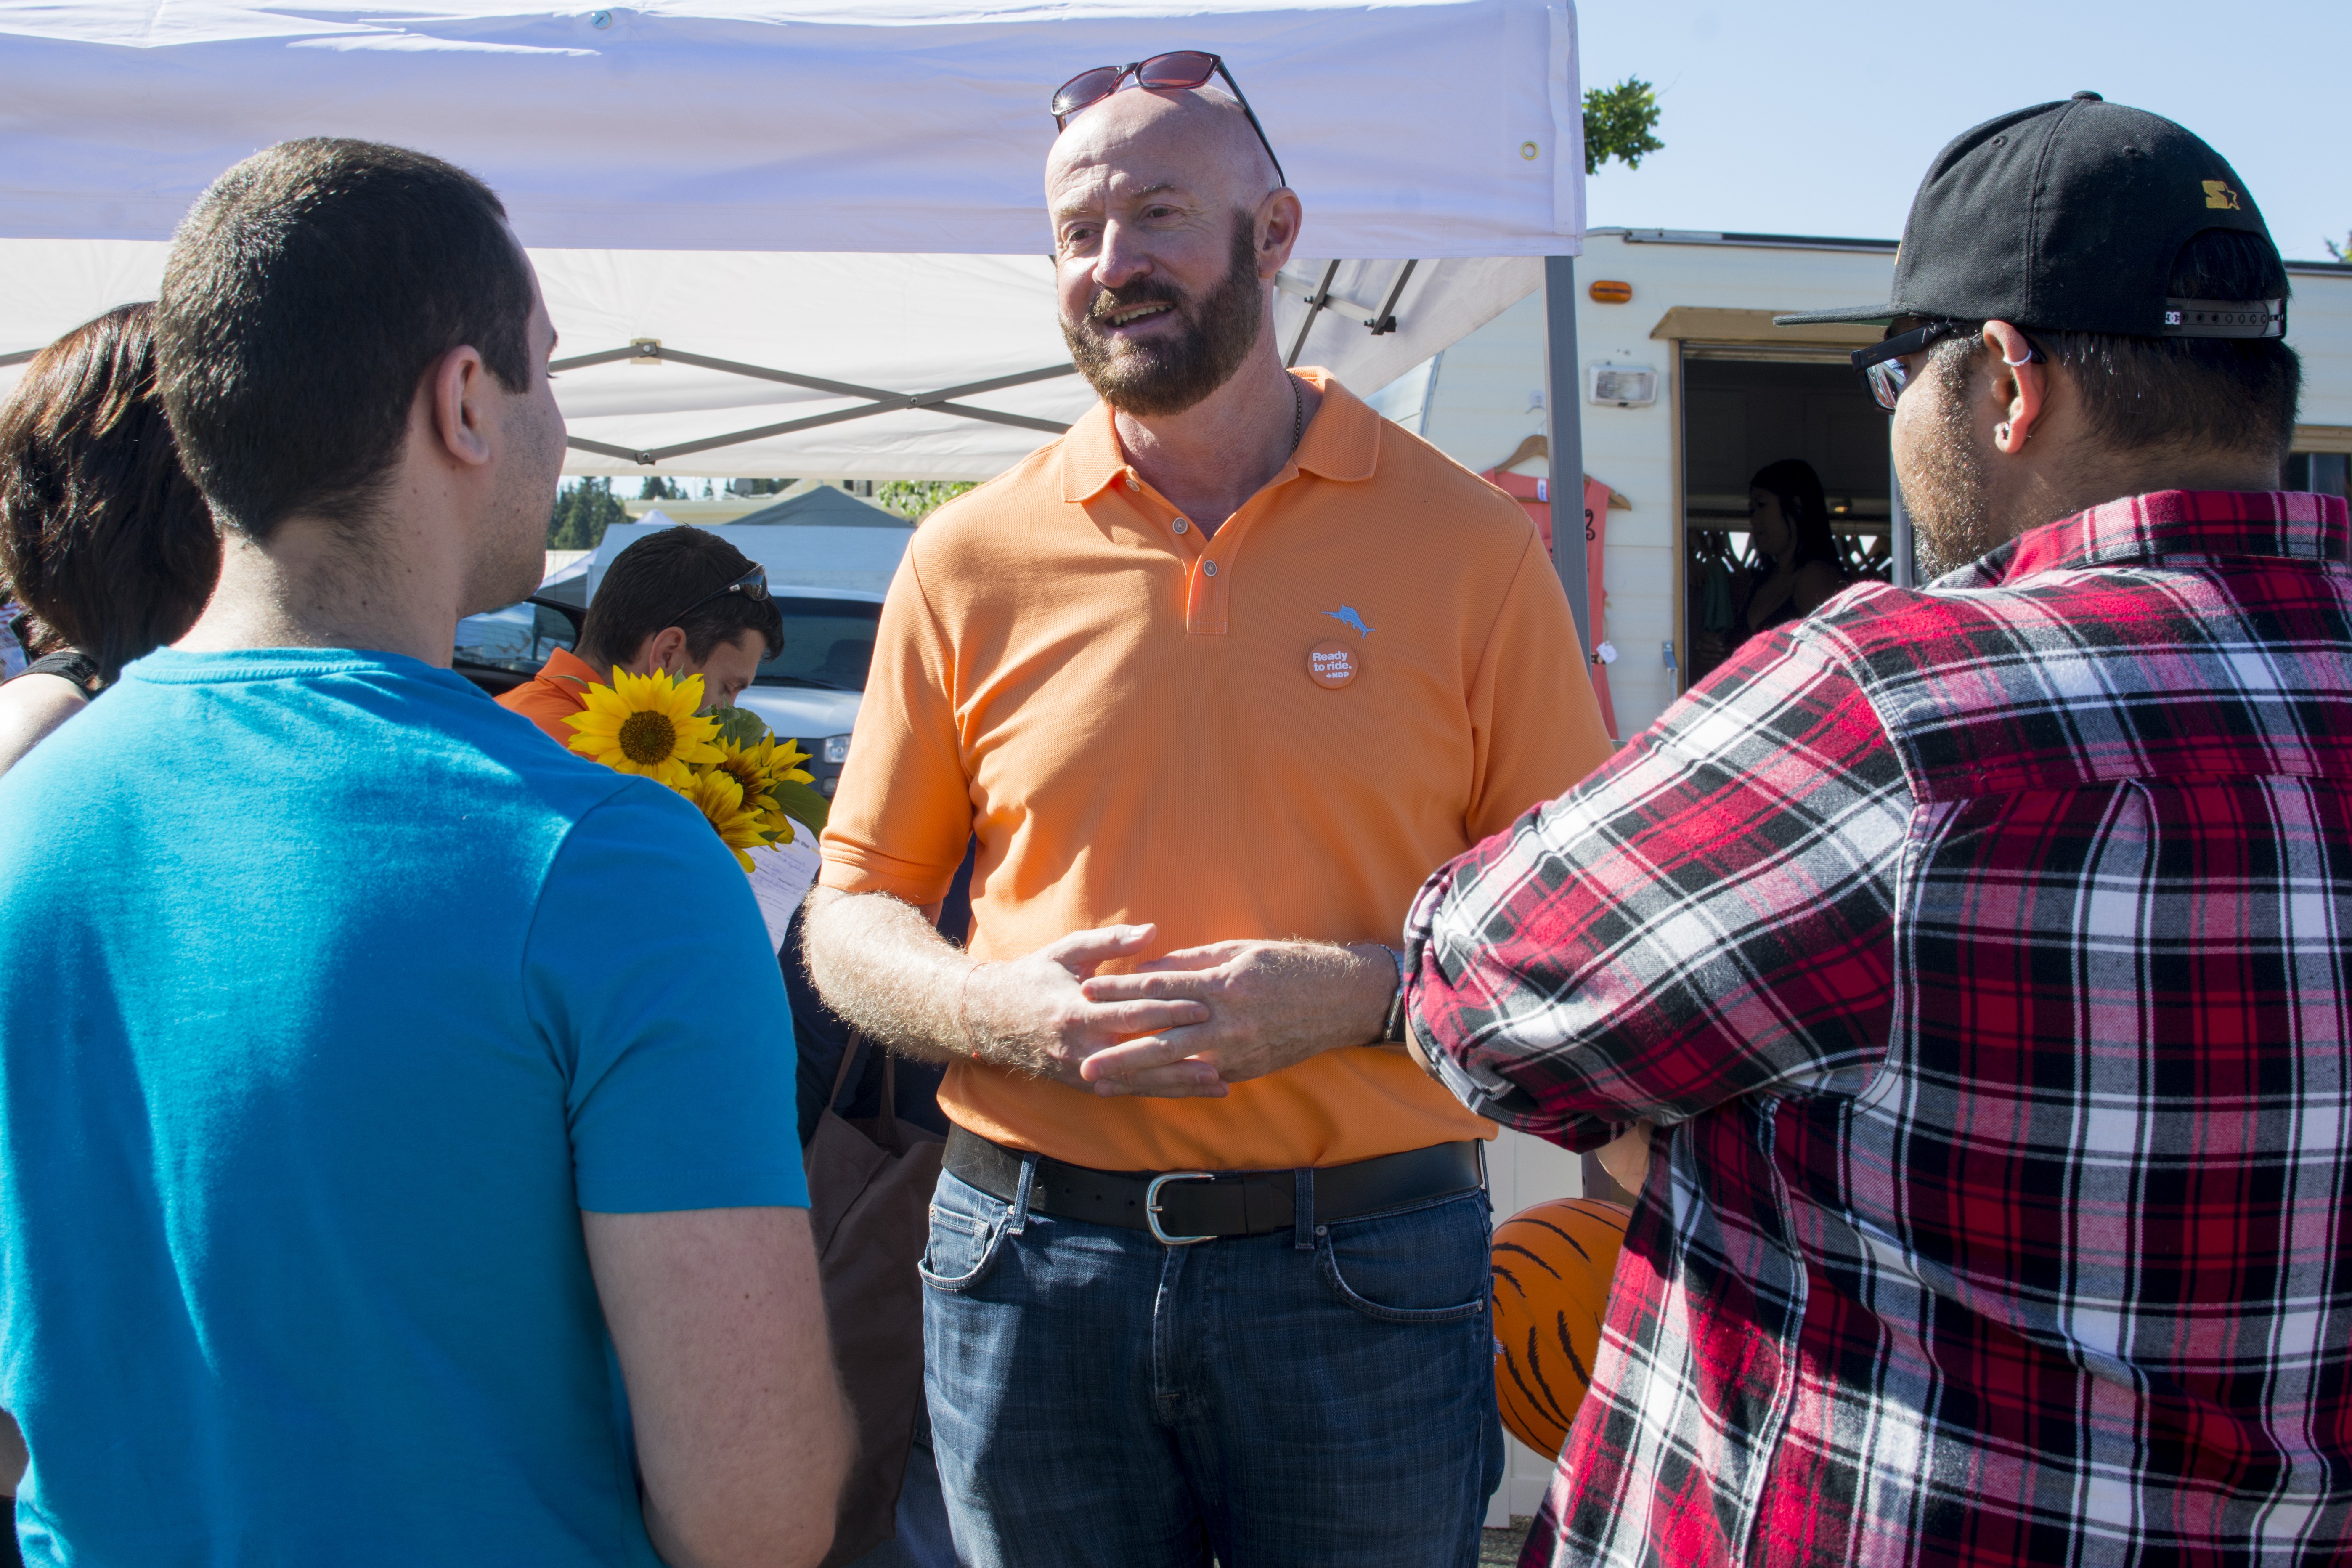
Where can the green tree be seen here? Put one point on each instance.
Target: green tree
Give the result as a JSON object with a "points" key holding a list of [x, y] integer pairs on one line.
{"points": [[916, 500], [657, 487], [584, 510], [2341, 252], [1618, 121]]}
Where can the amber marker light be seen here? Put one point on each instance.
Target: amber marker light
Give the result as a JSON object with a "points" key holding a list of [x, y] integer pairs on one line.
{"points": [[1608, 292]]}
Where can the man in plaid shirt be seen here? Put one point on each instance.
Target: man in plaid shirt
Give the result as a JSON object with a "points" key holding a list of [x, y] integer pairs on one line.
{"points": [[1978, 953]]}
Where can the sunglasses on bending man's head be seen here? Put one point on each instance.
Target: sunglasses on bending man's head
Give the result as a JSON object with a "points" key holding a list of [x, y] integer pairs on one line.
{"points": [[752, 584], [1180, 70], [1882, 362]]}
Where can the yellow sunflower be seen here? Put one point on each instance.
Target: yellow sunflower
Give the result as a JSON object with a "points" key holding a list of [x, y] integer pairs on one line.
{"points": [[752, 767], [760, 768], [720, 798], [647, 724], [787, 764]]}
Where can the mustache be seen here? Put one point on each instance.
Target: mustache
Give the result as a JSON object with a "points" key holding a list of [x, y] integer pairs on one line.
{"points": [[1143, 291]]}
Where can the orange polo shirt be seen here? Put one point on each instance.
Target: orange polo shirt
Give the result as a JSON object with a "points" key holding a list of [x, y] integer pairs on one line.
{"points": [[559, 691], [1276, 733]]}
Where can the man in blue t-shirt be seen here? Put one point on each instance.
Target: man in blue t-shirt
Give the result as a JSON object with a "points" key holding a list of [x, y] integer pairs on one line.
{"points": [[397, 1153]]}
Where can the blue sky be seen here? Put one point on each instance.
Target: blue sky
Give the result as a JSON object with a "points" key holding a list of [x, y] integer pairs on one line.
{"points": [[1819, 118]]}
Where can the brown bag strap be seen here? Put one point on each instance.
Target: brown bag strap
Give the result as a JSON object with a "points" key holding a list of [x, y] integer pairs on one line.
{"points": [[886, 1125], [850, 1049]]}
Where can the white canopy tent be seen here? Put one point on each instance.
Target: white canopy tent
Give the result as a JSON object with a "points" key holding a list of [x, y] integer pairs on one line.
{"points": [[821, 226]]}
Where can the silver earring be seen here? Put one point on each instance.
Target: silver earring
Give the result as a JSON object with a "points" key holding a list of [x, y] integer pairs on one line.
{"points": [[2000, 432]]}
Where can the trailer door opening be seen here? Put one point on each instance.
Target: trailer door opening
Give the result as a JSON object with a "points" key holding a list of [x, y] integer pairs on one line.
{"points": [[1744, 409]]}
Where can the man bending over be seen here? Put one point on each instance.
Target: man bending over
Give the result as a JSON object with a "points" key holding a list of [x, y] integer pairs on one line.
{"points": [[682, 601]]}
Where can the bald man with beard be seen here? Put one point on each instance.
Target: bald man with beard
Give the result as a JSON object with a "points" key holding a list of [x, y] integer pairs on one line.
{"points": [[1216, 680]]}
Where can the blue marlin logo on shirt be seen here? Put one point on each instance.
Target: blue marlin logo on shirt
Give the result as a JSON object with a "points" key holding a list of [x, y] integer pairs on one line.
{"points": [[1346, 615]]}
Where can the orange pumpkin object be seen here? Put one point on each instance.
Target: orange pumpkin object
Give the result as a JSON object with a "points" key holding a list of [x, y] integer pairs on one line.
{"points": [[1552, 1269]]}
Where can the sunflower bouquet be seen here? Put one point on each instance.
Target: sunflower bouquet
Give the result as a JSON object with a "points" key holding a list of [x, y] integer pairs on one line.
{"points": [[727, 763]]}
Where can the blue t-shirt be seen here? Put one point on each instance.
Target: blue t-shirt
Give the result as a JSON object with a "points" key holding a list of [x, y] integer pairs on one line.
{"points": [[330, 993]]}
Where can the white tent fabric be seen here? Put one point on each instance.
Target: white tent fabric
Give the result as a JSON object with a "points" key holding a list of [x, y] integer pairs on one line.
{"points": [[1425, 127], [845, 194]]}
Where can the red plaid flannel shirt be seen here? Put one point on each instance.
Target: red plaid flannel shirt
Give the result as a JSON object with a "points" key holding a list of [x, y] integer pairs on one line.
{"points": [[1981, 953]]}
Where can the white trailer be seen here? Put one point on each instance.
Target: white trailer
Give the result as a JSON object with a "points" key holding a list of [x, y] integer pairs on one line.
{"points": [[1730, 392]]}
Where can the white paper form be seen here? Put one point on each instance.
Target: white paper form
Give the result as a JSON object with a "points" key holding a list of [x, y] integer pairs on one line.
{"points": [[781, 875]]}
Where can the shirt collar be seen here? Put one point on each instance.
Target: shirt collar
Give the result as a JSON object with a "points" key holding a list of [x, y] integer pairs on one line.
{"points": [[2291, 523], [1342, 442], [572, 675]]}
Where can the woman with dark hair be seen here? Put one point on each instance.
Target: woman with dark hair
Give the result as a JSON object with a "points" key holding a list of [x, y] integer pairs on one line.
{"points": [[102, 538], [1795, 568]]}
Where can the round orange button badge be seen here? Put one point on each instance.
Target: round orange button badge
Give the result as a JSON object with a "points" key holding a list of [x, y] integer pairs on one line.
{"points": [[1333, 664]]}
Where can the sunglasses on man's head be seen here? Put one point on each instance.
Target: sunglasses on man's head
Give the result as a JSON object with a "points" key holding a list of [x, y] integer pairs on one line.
{"points": [[1881, 363], [1180, 70], [752, 584]]}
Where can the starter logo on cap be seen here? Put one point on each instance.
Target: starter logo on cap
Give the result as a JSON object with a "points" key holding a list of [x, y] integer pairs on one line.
{"points": [[1333, 664], [2218, 194]]}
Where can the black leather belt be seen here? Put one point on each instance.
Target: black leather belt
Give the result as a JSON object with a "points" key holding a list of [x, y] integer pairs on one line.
{"points": [[1179, 1207]]}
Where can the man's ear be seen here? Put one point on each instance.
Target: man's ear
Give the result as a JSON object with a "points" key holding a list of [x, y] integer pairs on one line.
{"points": [[2020, 384], [457, 389], [1277, 219], [666, 650]]}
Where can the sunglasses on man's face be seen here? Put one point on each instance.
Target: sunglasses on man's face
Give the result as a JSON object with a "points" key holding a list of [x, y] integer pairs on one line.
{"points": [[1881, 363], [1179, 71]]}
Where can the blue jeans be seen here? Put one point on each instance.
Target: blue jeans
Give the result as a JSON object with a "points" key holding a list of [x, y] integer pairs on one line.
{"points": [[1325, 1396]]}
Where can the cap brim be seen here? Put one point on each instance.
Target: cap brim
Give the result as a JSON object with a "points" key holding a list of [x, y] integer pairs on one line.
{"points": [[1854, 315]]}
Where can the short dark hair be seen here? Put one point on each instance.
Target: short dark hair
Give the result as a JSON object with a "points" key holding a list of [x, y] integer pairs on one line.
{"points": [[2236, 393], [101, 534], [651, 584], [308, 293]]}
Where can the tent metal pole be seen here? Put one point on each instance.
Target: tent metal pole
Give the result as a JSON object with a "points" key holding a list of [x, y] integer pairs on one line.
{"points": [[1563, 406], [1383, 321], [812, 422], [1322, 298], [878, 401]]}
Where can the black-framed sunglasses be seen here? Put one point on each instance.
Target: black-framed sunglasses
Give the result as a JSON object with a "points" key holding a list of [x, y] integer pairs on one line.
{"points": [[1882, 365], [752, 584], [1178, 69]]}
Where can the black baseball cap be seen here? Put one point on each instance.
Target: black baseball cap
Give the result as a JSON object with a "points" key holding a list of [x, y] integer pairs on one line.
{"points": [[2068, 217]]}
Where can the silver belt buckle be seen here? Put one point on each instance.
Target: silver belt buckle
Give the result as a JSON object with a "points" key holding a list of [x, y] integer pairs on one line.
{"points": [[1151, 1207]]}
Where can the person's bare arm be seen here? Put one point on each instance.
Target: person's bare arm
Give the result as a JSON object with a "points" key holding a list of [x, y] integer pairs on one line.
{"points": [[880, 965], [1269, 1005], [30, 707], [743, 1436]]}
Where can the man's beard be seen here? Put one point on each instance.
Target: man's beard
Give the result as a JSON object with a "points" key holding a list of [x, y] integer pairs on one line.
{"points": [[1951, 518], [1168, 374]]}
